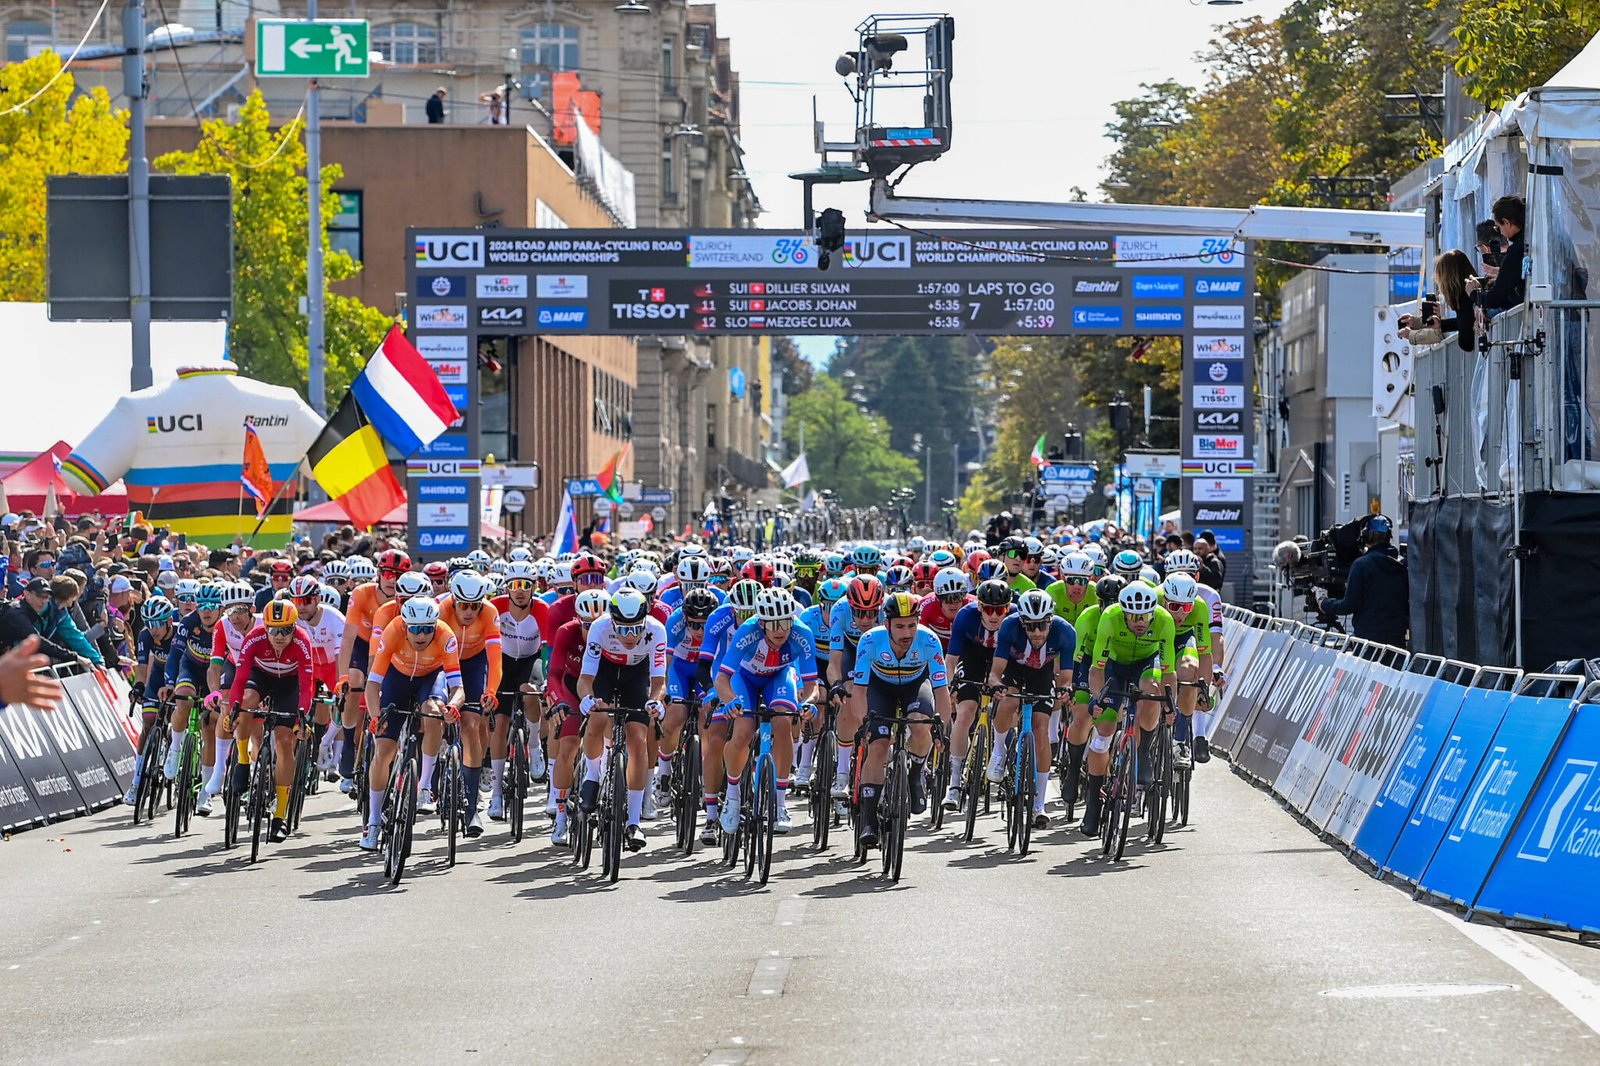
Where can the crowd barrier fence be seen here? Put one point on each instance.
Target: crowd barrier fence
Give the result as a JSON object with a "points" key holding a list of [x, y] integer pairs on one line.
{"points": [[70, 760]]}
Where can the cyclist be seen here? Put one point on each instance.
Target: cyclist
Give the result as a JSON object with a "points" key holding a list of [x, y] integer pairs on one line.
{"points": [[1107, 589], [471, 617], [866, 559], [1013, 553], [899, 670], [1191, 623], [411, 657], [1070, 592], [186, 684], [624, 672], [524, 620], [324, 629], [1032, 654], [714, 725], [438, 575], [356, 650], [566, 665], [815, 619], [1127, 565], [693, 572], [938, 608], [279, 573], [155, 644], [1184, 561], [967, 658], [1133, 647], [770, 658], [807, 576], [686, 629], [274, 666], [860, 610]]}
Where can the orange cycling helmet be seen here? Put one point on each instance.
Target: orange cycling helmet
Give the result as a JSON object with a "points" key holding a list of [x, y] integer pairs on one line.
{"points": [[279, 614], [865, 594]]}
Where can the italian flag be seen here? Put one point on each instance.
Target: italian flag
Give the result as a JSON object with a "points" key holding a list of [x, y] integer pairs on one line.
{"points": [[610, 476], [1037, 458]]}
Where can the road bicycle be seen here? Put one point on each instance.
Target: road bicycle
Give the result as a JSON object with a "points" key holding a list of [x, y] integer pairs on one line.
{"points": [[448, 785], [517, 779], [975, 779], [937, 774], [759, 815], [686, 777], [1019, 788], [894, 798], [152, 756], [1121, 792], [398, 819], [824, 768]]}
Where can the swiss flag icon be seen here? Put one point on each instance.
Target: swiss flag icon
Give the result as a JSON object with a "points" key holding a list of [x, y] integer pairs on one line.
{"points": [[658, 296]]}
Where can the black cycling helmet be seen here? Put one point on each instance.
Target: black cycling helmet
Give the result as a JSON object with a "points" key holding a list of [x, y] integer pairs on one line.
{"points": [[698, 604], [994, 593], [1108, 589]]}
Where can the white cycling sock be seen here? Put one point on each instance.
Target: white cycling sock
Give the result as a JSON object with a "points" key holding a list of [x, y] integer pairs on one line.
{"points": [[957, 768], [1055, 725], [733, 793], [1202, 724], [497, 773], [591, 769], [999, 747], [1041, 785], [844, 758], [374, 806], [663, 764], [427, 770], [808, 753], [635, 805]]}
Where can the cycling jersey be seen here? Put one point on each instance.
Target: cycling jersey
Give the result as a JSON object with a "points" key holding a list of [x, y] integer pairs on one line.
{"points": [[480, 647], [521, 639], [750, 653], [968, 637], [1020, 583], [566, 663], [801, 596], [381, 617], [365, 600], [1213, 600], [153, 653], [227, 641], [1065, 608], [325, 635], [1195, 624], [719, 629], [274, 674], [815, 619], [193, 640], [605, 645], [559, 612], [876, 659], [1114, 641], [671, 597], [394, 649], [683, 673], [1012, 644], [932, 615], [843, 633]]}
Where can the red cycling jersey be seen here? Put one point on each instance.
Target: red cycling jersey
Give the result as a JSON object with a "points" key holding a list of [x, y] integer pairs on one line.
{"points": [[257, 653], [566, 663], [931, 614]]}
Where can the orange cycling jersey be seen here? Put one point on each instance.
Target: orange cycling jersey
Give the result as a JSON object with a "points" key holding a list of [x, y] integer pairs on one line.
{"points": [[394, 648], [387, 612], [364, 604], [482, 637]]}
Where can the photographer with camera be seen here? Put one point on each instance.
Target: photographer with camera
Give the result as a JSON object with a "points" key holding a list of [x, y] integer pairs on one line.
{"points": [[1453, 272], [1377, 595]]}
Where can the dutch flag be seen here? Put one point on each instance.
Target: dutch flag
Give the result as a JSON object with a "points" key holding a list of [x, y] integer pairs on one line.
{"points": [[402, 397]]}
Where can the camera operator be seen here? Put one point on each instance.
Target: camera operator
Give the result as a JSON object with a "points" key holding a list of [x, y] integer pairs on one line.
{"points": [[1453, 273], [1378, 593]]}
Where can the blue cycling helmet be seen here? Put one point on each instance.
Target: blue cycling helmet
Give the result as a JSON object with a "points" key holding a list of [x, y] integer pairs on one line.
{"points": [[210, 596], [832, 590], [991, 569], [866, 555], [833, 564]]}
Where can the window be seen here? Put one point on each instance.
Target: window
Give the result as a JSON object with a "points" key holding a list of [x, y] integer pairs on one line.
{"points": [[547, 48], [24, 40], [669, 69], [344, 229], [406, 42], [711, 427], [669, 167]]}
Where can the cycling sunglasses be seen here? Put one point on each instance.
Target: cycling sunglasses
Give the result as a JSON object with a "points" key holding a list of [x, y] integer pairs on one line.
{"points": [[630, 631], [996, 610], [417, 630], [590, 579], [520, 584], [1035, 627], [280, 630], [1078, 581], [776, 623], [954, 597]]}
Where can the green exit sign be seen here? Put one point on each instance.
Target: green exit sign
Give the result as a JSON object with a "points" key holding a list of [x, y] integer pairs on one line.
{"points": [[305, 48]]}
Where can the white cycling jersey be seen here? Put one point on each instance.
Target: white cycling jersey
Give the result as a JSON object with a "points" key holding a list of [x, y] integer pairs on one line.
{"points": [[1213, 600], [605, 645], [326, 635], [519, 640]]}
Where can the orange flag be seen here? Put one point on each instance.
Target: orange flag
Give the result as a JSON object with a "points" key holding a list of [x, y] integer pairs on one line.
{"points": [[256, 475]]}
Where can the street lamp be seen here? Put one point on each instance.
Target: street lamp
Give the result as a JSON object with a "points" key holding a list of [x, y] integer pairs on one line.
{"points": [[513, 61]]}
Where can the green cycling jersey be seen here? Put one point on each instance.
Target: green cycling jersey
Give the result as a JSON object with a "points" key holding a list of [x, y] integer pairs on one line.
{"points": [[1197, 622], [1115, 641], [1065, 609]]}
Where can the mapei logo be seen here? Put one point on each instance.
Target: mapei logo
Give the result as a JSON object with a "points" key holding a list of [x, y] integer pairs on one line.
{"points": [[457, 251], [1215, 287], [173, 423], [568, 317], [885, 251], [502, 315]]}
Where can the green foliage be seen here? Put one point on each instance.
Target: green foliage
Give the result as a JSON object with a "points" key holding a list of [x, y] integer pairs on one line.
{"points": [[847, 450], [56, 134], [1506, 46], [267, 336]]}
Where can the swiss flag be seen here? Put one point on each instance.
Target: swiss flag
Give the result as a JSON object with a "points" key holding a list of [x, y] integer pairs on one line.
{"points": [[658, 296]]}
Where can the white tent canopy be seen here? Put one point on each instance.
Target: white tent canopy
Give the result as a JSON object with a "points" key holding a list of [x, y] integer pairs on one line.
{"points": [[62, 377]]}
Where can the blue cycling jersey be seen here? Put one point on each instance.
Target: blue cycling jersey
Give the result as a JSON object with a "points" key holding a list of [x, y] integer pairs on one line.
{"points": [[1012, 644], [154, 652], [876, 658], [814, 619], [967, 635], [680, 642], [194, 639], [842, 629], [750, 654], [801, 596], [672, 598], [719, 627]]}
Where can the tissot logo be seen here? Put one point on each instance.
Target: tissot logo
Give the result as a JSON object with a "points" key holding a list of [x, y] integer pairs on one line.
{"points": [[1097, 287], [502, 316], [1218, 514], [450, 251], [1219, 397], [502, 286], [1214, 420]]}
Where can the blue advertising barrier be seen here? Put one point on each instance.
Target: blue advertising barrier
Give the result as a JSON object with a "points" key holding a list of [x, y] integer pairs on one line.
{"points": [[1515, 760], [1389, 811], [1549, 871], [1460, 757]]}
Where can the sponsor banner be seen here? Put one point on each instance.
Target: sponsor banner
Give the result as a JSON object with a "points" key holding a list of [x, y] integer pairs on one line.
{"points": [[17, 809], [1461, 754], [447, 446], [39, 762], [561, 286], [505, 316], [442, 347], [1229, 539], [1217, 346], [441, 316], [575, 316], [1098, 285], [1327, 727], [1391, 807], [442, 286], [503, 287], [1157, 286], [1303, 684], [1516, 757], [455, 250], [1218, 288], [1158, 317], [584, 486], [1178, 252], [458, 396], [431, 468], [652, 497], [1217, 446], [1214, 421], [1217, 467], [1219, 316], [1219, 371], [1218, 397], [104, 719], [1097, 317], [444, 541], [443, 490], [1218, 514], [450, 372], [1363, 763], [1551, 864], [1067, 472], [434, 515], [1247, 689], [1217, 490]]}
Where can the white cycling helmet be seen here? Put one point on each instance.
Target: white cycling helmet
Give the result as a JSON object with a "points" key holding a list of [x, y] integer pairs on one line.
{"points": [[330, 597], [775, 605], [741, 555], [479, 559], [336, 568], [361, 569], [1183, 561], [629, 607], [1127, 564], [1137, 599], [1149, 576], [304, 586], [694, 570], [521, 570], [420, 611], [1077, 564], [237, 595], [187, 589], [1096, 554], [591, 604], [469, 587], [411, 583], [744, 595], [642, 580], [520, 554], [951, 581], [1035, 605], [1180, 588], [917, 544]]}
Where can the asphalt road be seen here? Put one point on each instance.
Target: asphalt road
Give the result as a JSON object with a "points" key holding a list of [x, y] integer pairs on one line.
{"points": [[1242, 940]]}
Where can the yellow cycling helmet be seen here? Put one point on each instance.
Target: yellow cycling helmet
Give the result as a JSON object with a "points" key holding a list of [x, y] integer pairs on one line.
{"points": [[279, 614], [901, 605]]}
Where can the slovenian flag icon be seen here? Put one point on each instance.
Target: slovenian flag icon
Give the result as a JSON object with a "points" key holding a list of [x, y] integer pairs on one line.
{"points": [[402, 397]]}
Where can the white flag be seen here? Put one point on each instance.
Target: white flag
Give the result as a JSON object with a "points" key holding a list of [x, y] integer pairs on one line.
{"points": [[796, 473]]}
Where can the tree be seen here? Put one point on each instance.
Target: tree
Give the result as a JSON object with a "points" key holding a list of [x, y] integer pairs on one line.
{"points": [[1506, 46], [268, 334], [791, 366], [1139, 170], [847, 450], [55, 134]]}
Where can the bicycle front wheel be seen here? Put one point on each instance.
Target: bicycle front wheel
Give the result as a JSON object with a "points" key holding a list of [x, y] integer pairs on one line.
{"points": [[688, 794], [184, 788], [1025, 792], [450, 801], [514, 786], [899, 815], [976, 784], [1128, 792], [820, 799], [938, 782], [261, 787], [616, 816], [405, 820]]}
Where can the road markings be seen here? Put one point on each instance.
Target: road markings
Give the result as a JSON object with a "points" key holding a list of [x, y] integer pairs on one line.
{"points": [[769, 976], [791, 911], [726, 1057], [1418, 991], [1558, 980]]}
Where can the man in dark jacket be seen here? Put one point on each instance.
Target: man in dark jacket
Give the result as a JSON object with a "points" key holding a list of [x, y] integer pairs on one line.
{"points": [[1509, 288], [25, 617], [1378, 594]]}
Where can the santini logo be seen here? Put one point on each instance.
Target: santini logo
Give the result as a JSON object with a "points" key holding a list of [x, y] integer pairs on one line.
{"points": [[1097, 287], [1217, 514]]}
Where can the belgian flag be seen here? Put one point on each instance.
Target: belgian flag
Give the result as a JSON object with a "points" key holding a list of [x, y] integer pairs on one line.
{"points": [[350, 464]]}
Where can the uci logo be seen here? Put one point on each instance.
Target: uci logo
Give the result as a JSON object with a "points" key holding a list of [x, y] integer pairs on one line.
{"points": [[878, 252], [169, 423], [452, 251]]}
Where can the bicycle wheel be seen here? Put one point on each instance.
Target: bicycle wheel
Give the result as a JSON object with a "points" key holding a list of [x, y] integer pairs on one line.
{"points": [[148, 748], [1161, 800], [299, 786], [184, 788], [261, 786], [687, 783], [1025, 789], [899, 815], [514, 786], [1128, 790], [975, 782], [938, 780], [821, 798], [1110, 810], [449, 799], [1181, 780], [616, 813], [405, 819]]}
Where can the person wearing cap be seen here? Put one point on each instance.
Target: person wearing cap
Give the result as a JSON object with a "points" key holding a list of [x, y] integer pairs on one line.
{"points": [[1377, 596], [31, 615]]}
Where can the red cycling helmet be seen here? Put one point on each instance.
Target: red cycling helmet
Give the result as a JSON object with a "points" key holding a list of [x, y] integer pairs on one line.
{"points": [[865, 593], [587, 564], [973, 559], [280, 568], [393, 561], [759, 571], [924, 573], [438, 570]]}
